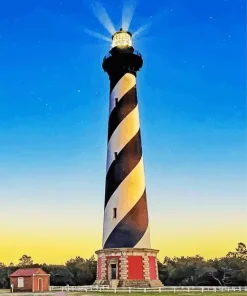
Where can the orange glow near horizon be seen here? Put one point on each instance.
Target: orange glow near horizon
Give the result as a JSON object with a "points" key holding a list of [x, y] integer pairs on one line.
{"points": [[56, 246]]}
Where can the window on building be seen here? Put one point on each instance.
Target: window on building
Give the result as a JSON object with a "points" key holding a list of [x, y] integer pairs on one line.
{"points": [[115, 155], [116, 102], [20, 282], [114, 213]]}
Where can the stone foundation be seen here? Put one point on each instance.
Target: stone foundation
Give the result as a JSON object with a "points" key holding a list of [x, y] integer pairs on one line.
{"points": [[128, 267], [140, 283]]}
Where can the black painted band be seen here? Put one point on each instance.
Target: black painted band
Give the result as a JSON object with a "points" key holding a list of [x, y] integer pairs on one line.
{"points": [[123, 107], [125, 162], [131, 228]]}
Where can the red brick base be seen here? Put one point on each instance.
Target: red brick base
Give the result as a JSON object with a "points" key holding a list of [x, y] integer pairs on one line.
{"points": [[132, 267]]}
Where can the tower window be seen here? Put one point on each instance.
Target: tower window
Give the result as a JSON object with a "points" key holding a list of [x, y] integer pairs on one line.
{"points": [[116, 101], [114, 213], [115, 154]]}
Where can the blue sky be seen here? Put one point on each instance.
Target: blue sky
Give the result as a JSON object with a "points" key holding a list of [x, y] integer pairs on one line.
{"points": [[54, 112]]}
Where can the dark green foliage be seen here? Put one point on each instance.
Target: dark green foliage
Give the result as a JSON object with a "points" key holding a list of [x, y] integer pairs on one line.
{"points": [[178, 271], [230, 270]]}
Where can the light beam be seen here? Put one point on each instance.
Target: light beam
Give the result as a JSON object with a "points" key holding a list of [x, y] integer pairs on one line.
{"points": [[128, 12], [97, 35], [152, 19], [101, 14]]}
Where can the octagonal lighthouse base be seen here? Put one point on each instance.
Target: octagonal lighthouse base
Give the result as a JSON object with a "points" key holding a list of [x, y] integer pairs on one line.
{"points": [[127, 267]]}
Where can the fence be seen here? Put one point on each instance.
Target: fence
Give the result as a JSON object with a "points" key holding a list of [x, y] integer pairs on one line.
{"points": [[173, 289]]}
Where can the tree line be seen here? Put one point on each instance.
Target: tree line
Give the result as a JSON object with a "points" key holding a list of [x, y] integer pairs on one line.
{"points": [[230, 270]]}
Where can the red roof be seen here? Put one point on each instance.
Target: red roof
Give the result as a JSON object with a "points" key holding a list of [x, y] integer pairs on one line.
{"points": [[28, 272]]}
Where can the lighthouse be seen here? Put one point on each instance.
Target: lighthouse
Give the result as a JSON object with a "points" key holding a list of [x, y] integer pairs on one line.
{"points": [[126, 258]]}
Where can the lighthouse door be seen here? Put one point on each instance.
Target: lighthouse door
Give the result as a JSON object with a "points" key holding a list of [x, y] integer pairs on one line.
{"points": [[113, 271]]}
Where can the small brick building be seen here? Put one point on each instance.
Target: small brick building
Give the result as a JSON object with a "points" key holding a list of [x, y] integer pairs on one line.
{"points": [[30, 280]]}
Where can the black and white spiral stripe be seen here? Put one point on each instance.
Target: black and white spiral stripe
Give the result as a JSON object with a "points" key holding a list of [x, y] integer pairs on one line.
{"points": [[125, 182]]}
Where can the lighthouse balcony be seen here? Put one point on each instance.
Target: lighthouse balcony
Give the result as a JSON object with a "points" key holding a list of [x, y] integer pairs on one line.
{"points": [[125, 60], [134, 52]]}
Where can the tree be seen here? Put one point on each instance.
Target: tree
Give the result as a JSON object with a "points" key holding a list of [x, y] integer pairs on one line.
{"points": [[59, 275], [229, 270], [182, 270], [25, 261], [84, 271], [240, 253], [4, 282], [163, 272], [73, 262]]}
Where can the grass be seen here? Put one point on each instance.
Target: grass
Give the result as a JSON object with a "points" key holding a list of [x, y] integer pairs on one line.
{"points": [[180, 293], [119, 293]]}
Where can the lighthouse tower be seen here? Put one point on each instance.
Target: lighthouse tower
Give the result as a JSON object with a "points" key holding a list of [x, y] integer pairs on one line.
{"points": [[126, 258]]}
